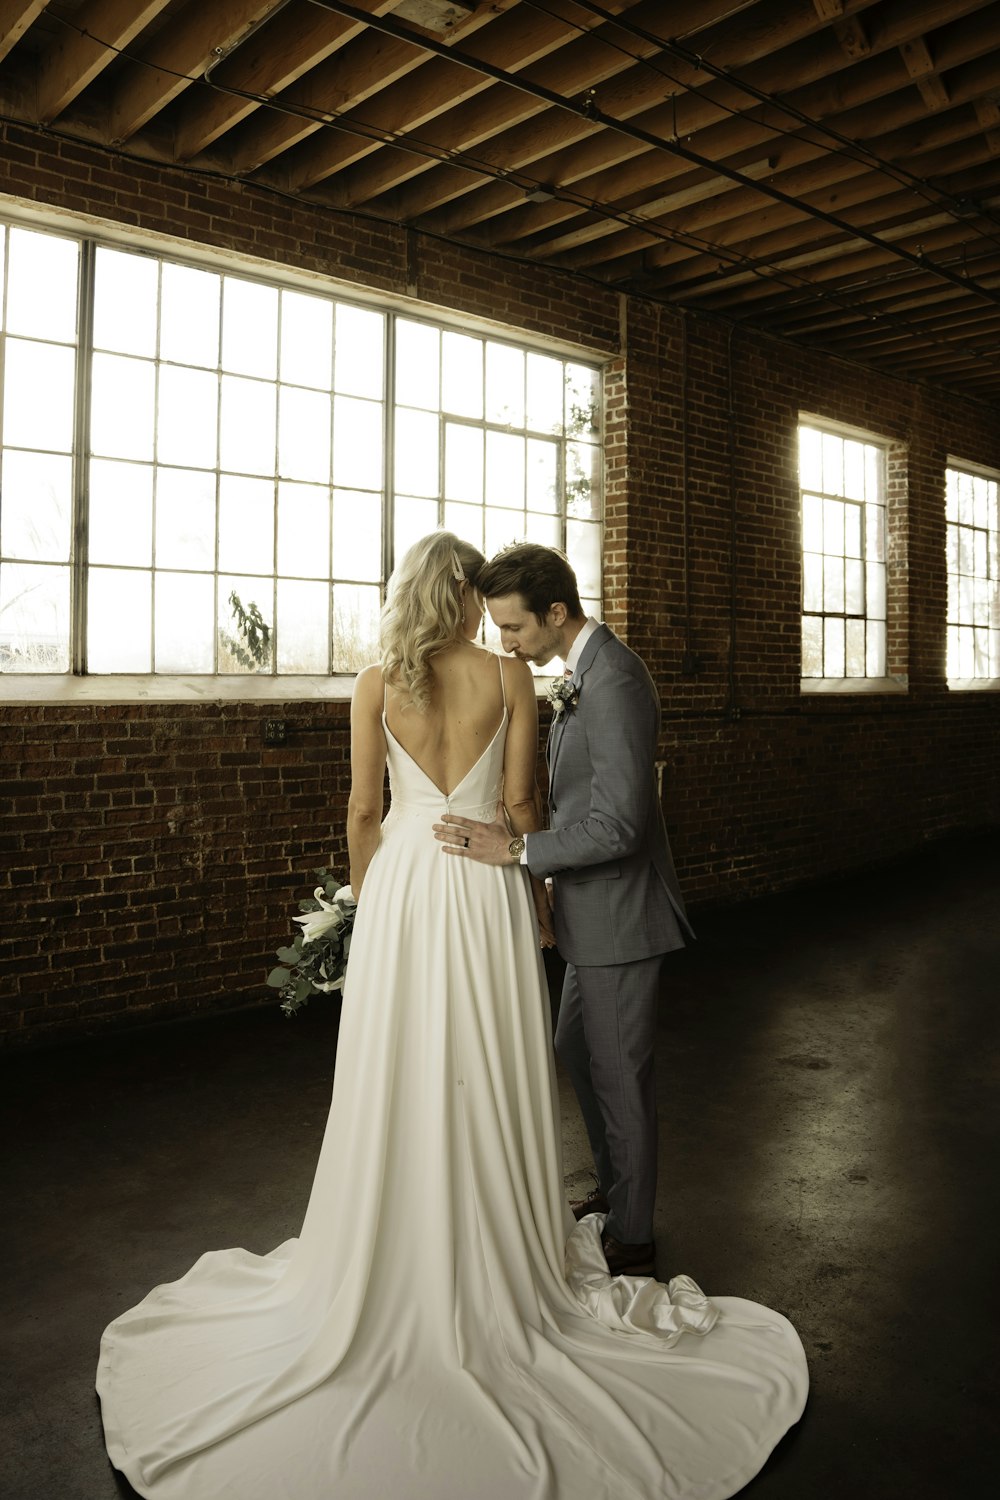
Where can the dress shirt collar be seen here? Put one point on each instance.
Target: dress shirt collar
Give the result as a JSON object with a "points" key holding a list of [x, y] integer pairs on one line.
{"points": [[576, 650]]}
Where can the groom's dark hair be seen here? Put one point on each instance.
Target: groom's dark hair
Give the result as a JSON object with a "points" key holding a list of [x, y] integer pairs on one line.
{"points": [[541, 575]]}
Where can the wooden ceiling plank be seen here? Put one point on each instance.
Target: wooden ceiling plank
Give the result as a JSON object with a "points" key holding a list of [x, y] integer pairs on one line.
{"points": [[77, 56], [815, 59], [917, 57], [298, 39], [512, 42], [852, 38], [15, 18], [933, 92], [179, 55]]}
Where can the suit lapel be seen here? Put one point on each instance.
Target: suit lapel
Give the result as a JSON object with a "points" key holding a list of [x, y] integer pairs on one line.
{"points": [[558, 726]]}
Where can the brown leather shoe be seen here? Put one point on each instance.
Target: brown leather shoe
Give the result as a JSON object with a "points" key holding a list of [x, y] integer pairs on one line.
{"points": [[594, 1203], [629, 1260]]}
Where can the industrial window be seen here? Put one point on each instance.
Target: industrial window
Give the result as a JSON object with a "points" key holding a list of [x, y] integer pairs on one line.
{"points": [[973, 575], [204, 473], [843, 498]]}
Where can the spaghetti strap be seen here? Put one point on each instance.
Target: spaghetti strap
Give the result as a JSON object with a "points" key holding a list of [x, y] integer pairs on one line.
{"points": [[503, 685]]}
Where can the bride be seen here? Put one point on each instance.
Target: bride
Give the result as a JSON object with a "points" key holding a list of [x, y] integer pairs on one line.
{"points": [[442, 1328]]}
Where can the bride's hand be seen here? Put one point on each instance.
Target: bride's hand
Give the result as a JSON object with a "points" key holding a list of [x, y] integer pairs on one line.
{"points": [[543, 915]]}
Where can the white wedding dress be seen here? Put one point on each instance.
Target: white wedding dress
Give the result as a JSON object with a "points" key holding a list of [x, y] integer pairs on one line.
{"points": [[442, 1329]]}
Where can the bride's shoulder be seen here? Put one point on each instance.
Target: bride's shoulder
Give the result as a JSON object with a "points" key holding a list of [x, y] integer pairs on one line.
{"points": [[368, 685]]}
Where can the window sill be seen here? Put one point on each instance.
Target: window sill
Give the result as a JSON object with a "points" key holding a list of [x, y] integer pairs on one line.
{"points": [[974, 684], [825, 686], [15, 688]]}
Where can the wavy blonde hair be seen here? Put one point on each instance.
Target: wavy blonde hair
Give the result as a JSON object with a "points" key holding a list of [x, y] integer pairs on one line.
{"points": [[423, 611]]}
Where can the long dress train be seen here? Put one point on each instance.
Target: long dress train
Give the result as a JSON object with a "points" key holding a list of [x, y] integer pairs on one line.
{"points": [[442, 1329]]}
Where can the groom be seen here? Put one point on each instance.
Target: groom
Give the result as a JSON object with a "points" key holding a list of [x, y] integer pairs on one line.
{"points": [[617, 905]]}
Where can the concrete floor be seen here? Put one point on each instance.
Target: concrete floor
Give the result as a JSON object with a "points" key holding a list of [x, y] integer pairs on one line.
{"points": [[828, 1148]]}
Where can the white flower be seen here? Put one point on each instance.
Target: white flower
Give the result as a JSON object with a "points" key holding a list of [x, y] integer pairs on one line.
{"points": [[315, 924], [563, 694]]}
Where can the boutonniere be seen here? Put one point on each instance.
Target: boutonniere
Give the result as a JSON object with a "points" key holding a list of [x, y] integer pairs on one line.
{"points": [[563, 695]]}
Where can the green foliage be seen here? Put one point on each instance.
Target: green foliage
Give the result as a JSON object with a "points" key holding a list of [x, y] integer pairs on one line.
{"points": [[253, 648]]}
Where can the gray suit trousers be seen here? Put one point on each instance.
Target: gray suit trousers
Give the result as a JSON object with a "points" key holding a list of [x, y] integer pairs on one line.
{"points": [[604, 1037]]}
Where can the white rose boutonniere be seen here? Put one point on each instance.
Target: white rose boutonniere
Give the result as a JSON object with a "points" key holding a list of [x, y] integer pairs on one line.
{"points": [[564, 695]]}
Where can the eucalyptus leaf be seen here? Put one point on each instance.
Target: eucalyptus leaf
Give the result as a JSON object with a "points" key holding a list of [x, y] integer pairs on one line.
{"points": [[277, 978], [288, 955]]}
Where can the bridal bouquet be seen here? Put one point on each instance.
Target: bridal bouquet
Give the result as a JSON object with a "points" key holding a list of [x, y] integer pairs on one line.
{"points": [[316, 961]]}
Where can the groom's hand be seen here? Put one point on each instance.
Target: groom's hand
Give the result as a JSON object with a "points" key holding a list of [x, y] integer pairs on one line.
{"points": [[489, 843]]}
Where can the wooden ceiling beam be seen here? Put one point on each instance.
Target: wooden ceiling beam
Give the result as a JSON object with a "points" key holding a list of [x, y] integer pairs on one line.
{"points": [[513, 42], [15, 18], [812, 60], [298, 39], [77, 57], [179, 56]]}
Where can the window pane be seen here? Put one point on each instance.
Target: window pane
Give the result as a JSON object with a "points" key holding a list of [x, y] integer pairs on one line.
{"points": [[418, 353], [463, 462], [833, 527], [854, 470], [359, 355], [853, 546], [544, 393], [951, 495], [185, 524], [501, 527], [304, 420], [810, 458], [121, 411], [875, 662], [303, 627], [187, 417], [833, 583], [303, 531], [465, 521], [952, 654], [357, 444], [27, 421], [874, 470], [812, 646], [833, 464], [125, 297], [543, 476], [246, 644], [543, 529], [119, 616], [248, 426], [582, 414], [246, 524], [583, 548], [121, 513], [416, 452], [413, 519], [505, 455], [854, 587], [876, 591], [34, 618], [35, 513], [189, 315], [504, 385], [462, 375], [357, 535], [42, 285], [980, 501], [307, 340], [833, 648], [812, 523], [185, 623], [249, 328], [875, 533], [855, 639], [355, 626], [965, 507], [812, 581], [583, 492]]}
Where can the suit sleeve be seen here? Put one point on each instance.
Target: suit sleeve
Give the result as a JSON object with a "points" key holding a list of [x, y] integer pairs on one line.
{"points": [[621, 725]]}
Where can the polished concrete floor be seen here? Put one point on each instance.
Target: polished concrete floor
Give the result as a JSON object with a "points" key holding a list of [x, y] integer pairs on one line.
{"points": [[828, 1148]]}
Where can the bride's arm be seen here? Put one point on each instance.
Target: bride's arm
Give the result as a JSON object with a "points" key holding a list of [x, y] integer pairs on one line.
{"points": [[368, 754], [522, 799]]}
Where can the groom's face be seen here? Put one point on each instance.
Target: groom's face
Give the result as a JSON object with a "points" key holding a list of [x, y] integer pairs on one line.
{"points": [[521, 634]]}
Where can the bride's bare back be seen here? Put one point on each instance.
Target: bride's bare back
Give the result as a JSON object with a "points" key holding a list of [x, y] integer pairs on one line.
{"points": [[463, 715]]}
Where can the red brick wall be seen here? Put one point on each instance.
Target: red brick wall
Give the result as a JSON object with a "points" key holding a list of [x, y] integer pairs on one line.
{"points": [[153, 853]]}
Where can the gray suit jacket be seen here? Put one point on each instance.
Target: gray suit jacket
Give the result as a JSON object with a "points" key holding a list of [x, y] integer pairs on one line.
{"points": [[616, 893]]}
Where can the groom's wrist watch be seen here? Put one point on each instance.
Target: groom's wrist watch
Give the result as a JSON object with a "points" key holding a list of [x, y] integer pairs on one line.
{"points": [[516, 847]]}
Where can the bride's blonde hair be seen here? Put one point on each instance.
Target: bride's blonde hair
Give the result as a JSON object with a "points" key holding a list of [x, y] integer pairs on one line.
{"points": [[423, 611]]}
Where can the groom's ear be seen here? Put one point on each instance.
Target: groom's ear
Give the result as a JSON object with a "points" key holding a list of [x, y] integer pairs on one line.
{"points": [[558, 614]]}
